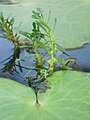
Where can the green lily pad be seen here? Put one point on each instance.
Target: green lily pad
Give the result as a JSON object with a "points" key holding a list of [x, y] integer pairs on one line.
{"points": [[68, 99], [73, 16]]}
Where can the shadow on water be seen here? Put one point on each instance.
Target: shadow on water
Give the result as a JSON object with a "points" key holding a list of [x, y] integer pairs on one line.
{"points": [[82, 55], [7, 50]]}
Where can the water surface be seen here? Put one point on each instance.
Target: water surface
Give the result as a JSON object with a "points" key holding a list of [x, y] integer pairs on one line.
{"points": [[82, 55]]}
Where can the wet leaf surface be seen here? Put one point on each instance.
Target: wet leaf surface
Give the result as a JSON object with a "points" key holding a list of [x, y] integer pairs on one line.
{"points": [[73, 17], [68, 99]]}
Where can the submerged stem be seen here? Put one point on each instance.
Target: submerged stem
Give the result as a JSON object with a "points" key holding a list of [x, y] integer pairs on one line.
{"points": [[36, 95]]}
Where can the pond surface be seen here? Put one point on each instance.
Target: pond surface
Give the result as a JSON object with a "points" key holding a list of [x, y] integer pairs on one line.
{"points": [[6, 50], [82, 55]]}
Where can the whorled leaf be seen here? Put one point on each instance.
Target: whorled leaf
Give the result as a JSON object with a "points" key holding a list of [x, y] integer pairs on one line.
{"points": [[68, 99]]}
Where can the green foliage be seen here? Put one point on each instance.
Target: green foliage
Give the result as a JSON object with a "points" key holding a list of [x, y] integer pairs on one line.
{"points": [[41, 37], [6, 26], [65, 63], [69, 95]]}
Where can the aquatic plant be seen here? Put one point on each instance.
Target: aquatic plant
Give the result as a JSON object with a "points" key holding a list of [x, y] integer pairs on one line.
{"points": [[40, 38], [69, 96], [6, 25]]}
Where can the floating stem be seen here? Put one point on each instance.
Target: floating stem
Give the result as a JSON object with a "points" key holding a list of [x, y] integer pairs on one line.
{"points": [[36, 95]]}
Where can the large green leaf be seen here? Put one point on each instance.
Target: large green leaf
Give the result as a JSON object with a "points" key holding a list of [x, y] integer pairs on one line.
{"points": [[73, 16], [68, 99]]}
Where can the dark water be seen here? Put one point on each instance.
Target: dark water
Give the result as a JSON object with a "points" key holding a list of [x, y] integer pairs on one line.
{"points": [[6, 50], [7, 2], [83, 56]]}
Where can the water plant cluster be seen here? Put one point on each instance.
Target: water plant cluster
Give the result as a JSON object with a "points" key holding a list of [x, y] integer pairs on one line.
{"points": [[41, 38]]}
